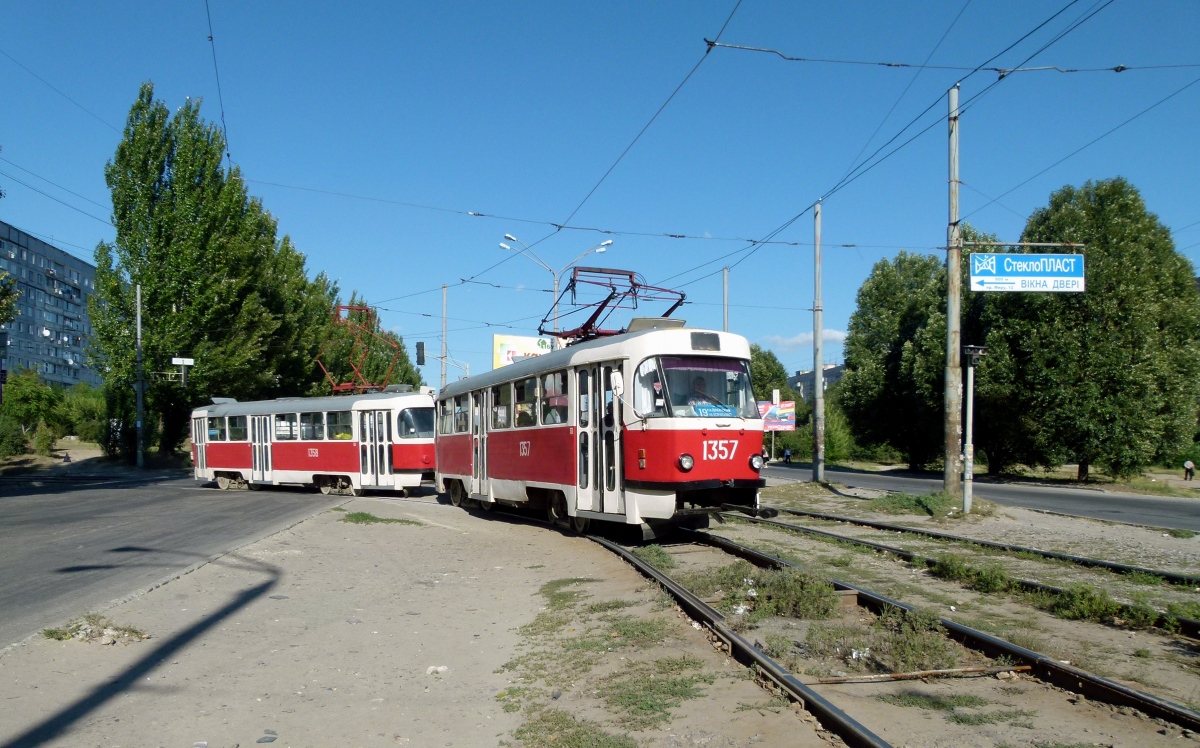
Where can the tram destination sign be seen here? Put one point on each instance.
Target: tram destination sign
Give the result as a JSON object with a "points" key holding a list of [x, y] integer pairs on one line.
{"points": [[992, 271]]}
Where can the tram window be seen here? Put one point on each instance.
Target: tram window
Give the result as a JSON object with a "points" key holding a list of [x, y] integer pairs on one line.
{"points": [[462, 414], [285, 426], [415, 423], [501, 402], [312, 426], [339, 424], [237, 428], [525, 402], [216, 429], [446, 417], [583, 458], [554, 398], [649, 399], [584, 406]]}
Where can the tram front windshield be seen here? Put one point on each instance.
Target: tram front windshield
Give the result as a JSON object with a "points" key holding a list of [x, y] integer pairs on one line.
{"points": [[694, 387], [416, 423]]}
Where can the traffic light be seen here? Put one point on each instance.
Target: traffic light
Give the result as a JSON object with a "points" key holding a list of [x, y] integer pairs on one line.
{"points": [[420, 353]]}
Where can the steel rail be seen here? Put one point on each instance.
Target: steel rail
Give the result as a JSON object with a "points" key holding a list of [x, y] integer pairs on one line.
{"points": [[1187, 626], [1045, 668], [830, 716], [1170, 576]]}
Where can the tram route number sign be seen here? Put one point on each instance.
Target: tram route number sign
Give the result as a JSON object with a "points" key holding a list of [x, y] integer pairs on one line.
{"points": [[994, 271]]}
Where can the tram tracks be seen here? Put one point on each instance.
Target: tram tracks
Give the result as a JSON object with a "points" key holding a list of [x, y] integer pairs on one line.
{"points": [[1159, 619], [822, 700]]}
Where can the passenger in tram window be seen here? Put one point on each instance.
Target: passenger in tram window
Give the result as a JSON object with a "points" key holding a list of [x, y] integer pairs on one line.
{"points": [[554, 398], [525, 402]]}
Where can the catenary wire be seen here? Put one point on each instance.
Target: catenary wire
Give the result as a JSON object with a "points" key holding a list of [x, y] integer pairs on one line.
{"points": [[46, 83], [55, 199], [47, 181], [1087, 145], [217, 75]]}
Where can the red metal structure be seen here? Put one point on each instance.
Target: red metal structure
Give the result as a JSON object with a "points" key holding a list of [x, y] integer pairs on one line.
{"points": [[359, 349]]}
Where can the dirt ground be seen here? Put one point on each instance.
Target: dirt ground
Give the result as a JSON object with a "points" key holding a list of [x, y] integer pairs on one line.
{"points": [[418, 634]]}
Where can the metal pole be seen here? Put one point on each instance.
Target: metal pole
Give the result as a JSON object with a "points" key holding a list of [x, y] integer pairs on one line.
{"points": [[725, 280], [818, 473], [969, 449], [555, 277], [443, 336], [141, 460], [772, 446], [952, 472]]}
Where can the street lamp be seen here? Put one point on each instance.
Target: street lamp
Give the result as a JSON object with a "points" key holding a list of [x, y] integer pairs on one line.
{"points": [[600, 248]]}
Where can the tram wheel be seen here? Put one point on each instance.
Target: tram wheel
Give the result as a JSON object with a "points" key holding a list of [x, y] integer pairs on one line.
{"points": [[556, 509], [457, 494], [223, 482], [253, 486], [486, 506], [358, 492], [580, 525], [325, 486]]}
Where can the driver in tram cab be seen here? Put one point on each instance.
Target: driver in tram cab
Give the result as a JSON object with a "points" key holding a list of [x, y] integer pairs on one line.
{"points": [[699, 395]]}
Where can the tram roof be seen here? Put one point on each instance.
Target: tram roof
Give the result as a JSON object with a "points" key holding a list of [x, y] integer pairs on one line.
{"points": [[600, 349], [303, 404]]}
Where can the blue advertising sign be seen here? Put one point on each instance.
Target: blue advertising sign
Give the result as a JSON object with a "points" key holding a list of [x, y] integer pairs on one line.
{"points": [[991, 271]]}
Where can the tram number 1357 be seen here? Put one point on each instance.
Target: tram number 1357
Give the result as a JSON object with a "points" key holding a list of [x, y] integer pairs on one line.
{"points": [[719, 449]]}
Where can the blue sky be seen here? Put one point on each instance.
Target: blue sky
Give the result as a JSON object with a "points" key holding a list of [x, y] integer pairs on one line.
{"points": [[518, 109]]}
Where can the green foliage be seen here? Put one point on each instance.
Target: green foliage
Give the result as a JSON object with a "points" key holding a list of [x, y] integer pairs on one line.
{"points": [[895, 353], [218, 282], [646, 694], [1110, 377], [1082, 602], [13, 440], [767, 373], [655, 556], [934, 504], [43, 439], [1179, 532], [765, 592], [81, 412], [28, 400], [555, 728], [366, 518], [933, 702]]}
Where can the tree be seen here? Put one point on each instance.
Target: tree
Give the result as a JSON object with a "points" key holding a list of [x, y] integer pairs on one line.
{"points": [[891, 391], [28, 400], [217, 284], [767, 373], [1111, 376]]}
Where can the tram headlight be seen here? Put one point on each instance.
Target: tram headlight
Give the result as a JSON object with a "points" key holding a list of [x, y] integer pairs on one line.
{"points": [[756, 462], [686, 462]]}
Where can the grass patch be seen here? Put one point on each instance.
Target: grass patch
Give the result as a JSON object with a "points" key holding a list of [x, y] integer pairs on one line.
{"points": [[1016, 717], [761, 593], [896, 642], [933, 702], [1083, 602], [656, 556], [92, 626], [536, 566], [510, 698], [1179, 532], [338, 509], [554, 728], [558, 596], [637, 632], [646, 692], [933, 505], [606, 606], [1141, 652], [844, 561], [366, 518], [1188, 609], [988, 579], [775, 704], [546, 622], [1141, 577]]}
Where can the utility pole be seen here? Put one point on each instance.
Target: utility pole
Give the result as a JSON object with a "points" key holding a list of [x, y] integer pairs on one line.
{"points": [[952, 472], [818, 472], [725, 279], [443, 336], [141, 384]]}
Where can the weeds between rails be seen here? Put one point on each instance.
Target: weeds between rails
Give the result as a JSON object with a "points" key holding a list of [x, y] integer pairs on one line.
{"points": [[909, 504], [1046, 669], [1078, 601]]}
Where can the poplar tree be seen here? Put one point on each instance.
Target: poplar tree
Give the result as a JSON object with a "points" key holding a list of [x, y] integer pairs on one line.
{"points": [[218, 285]]}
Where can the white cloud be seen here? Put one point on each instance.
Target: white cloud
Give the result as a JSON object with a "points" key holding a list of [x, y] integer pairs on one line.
{"points": [[804, 339]]}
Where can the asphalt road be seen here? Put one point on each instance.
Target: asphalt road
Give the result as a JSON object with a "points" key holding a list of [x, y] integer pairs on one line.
{"points": [[69, 548], [1158, 511]]}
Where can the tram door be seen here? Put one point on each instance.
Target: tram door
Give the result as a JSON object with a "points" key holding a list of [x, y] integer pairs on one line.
{"points": [[260, 449], [478, 451], [599, 448], [199, 437], [375, 448]]}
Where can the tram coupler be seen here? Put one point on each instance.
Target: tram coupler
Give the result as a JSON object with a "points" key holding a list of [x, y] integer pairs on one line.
{"points": [[750, 511]]}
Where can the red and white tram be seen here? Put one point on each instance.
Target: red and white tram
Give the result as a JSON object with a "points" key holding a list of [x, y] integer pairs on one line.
{"points": [[629, 428], [342, 444]]}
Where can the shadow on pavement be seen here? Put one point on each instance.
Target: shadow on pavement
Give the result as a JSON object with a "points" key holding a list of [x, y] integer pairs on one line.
{"points": [[57, 724]]}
